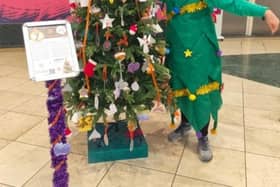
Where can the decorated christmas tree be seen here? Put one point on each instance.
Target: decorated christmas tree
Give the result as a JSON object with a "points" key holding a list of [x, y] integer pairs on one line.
{"points": [[121, 49]]}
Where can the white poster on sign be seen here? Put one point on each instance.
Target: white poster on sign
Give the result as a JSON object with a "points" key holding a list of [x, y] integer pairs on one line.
{"points": [[50, 50]]}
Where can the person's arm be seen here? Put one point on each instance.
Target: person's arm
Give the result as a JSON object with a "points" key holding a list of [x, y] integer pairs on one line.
{"points": [[239, 7], [245, 8]]}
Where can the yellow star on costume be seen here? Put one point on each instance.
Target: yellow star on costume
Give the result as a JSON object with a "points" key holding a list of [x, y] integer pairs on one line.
{"points": [[188, 53]]}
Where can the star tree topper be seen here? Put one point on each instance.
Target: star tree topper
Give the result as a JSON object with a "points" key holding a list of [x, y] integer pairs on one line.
{"points": [[107, 22]]}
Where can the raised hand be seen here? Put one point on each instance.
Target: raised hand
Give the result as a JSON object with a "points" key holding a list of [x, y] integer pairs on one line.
{"points": [[272, 21]]}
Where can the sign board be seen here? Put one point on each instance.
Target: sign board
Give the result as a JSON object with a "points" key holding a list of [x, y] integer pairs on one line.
{"points": [[50, 50]]}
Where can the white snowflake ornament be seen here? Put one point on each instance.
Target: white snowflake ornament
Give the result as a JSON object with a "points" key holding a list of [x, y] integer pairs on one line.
{"points": [[145, 42]]}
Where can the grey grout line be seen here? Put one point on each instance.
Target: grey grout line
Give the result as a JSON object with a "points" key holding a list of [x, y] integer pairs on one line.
{"points": [[9, 142], [264, 155], [202, 180], [255, 108], [24, 132], [260, 95], [102, 178], [244, 128], [8, 185], [44, 165], [179, 163], [36, 145], [137, 166], [34, 115], [263, 129], [18, 92], [226, 148]]}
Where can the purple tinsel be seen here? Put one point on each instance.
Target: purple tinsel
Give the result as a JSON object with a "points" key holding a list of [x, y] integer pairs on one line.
{"points": [[54, 105]]}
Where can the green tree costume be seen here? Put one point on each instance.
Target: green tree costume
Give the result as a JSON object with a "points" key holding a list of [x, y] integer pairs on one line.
{"points": [[194, 59]]}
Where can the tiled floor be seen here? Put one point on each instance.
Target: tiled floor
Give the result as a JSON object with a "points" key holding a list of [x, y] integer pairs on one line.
{"points": [[246, 149]]}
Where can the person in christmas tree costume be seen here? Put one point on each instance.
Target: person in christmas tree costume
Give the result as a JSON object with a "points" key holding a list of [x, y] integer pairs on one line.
{"points": [[195, 63]]}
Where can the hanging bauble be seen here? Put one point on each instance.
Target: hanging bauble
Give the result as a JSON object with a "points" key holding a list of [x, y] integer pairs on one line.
{"points": [[95, 9], [111, 1], [135, 86], [107, 45], [133, 67]]}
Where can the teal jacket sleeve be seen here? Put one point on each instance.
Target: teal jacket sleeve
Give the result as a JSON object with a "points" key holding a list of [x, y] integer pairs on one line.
{"points": [[239, 7]]}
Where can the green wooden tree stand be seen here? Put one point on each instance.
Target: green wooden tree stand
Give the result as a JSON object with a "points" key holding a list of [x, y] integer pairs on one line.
{"points": [[119, 144]]}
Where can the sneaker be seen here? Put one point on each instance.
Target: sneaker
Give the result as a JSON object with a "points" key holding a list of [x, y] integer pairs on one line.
{"points": [[180, 132], [204, 150]]}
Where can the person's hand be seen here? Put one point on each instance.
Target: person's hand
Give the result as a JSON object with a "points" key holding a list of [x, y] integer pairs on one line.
{"points": [[272, 21]]}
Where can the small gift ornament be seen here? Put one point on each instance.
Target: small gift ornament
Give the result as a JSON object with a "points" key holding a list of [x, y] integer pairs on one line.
{"points": [[83, 93], [133, 29], [90, 67]]}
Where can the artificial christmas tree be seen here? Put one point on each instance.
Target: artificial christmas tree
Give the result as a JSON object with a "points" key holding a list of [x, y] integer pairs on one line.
{"points": [[121, 49]]}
